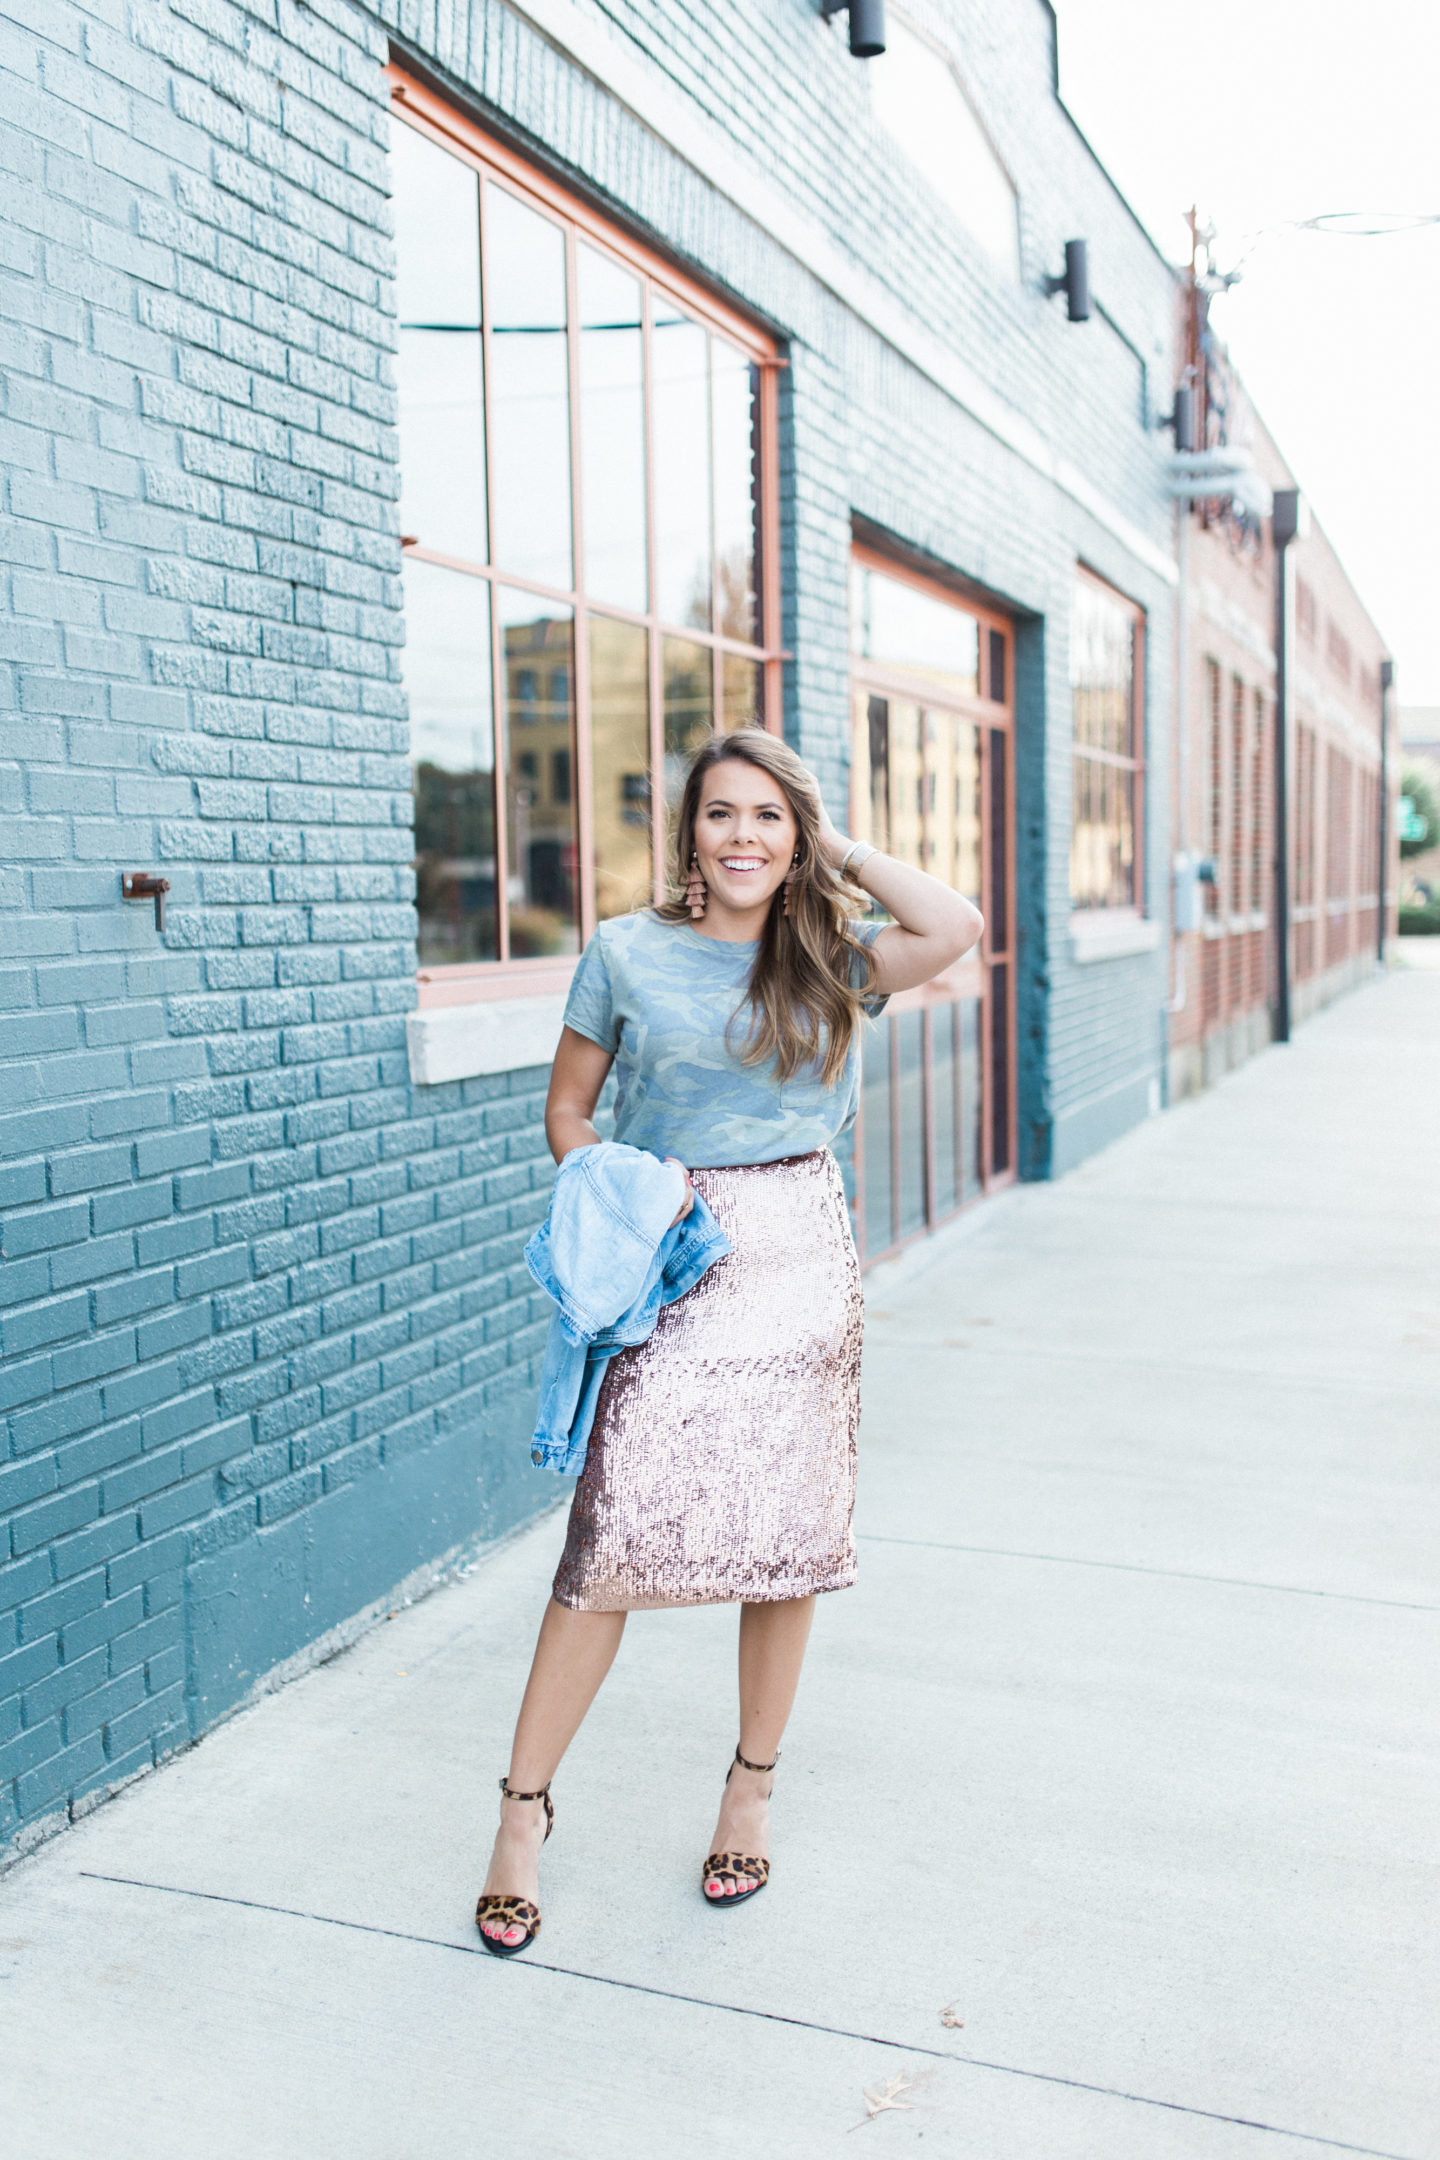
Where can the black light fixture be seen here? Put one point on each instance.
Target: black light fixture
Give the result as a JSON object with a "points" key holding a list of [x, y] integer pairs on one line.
{"points": [[867, 24], [1181, 419], [1074, 281]]}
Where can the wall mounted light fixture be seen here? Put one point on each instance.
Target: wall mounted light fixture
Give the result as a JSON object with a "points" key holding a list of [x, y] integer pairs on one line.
{"points": [[1181, 418], [1074, 281], [867, 24]]}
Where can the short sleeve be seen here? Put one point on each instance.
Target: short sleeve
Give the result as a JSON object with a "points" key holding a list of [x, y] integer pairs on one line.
{"points": [[867, 932], [590, 1007]]}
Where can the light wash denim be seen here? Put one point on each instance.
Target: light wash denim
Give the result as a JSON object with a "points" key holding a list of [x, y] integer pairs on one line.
{"points": [[610, 1254]]}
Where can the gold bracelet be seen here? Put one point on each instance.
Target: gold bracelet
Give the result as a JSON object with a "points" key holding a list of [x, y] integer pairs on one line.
{"points": [[863, 849]]}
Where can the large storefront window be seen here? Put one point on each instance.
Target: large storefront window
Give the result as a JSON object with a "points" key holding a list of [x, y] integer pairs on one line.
{"points": [[1108, 740], [586, 514], [931, 784]]}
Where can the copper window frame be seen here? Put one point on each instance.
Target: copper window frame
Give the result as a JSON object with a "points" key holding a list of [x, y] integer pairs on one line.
{"points": [[1137, 764], [414, 104], [969, 978]]}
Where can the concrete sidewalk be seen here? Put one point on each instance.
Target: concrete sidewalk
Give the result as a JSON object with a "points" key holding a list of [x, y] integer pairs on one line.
{"points": [[1124, 1745]]}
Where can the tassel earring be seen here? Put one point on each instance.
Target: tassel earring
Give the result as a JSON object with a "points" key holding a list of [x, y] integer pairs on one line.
{"points": [[695, 891], [790, 877]]}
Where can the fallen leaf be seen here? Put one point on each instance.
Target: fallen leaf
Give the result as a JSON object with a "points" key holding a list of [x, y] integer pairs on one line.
{"points": [[888, 2097], [949, 2020]]}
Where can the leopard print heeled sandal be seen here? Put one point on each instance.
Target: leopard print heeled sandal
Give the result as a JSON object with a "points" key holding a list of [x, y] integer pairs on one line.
{"points": [[736, 1867], [513, 1911]]}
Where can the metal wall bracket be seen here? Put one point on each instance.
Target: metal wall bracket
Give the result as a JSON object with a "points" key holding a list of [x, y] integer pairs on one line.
{"points": [[145, 885]]}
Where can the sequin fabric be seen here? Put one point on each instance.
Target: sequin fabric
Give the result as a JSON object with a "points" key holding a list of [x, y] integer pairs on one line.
{"points": [[722, 1459]]}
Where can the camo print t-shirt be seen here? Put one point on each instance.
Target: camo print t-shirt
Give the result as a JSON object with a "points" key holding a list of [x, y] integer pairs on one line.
{"points": [[661, 998]]}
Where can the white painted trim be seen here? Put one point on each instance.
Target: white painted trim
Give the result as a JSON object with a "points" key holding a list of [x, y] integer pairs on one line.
{"points": [[660, 105], [459, 1042], [1110, 934]]}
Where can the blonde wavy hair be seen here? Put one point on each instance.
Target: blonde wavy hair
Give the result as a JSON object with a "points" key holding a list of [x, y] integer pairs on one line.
{"points": [[811, 976]]}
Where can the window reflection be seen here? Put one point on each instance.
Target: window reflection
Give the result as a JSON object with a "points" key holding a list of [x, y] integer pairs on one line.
{"points": [[612, 430], [530, 389], [915, 779], [541, 886], [900, 626], [957, 805], [452, 748], [682, 467], [492, 332], [734, 389], [620, 760], [907, 784], [1106, 751], [442, 425], [741, 693], [689, 710]]}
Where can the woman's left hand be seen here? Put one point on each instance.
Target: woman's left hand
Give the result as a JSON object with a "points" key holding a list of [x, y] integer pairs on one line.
{"points": [[689, 1201]]}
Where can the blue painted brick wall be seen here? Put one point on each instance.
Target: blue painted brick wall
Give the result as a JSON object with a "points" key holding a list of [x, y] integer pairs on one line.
{"points": [[268, 1345]]}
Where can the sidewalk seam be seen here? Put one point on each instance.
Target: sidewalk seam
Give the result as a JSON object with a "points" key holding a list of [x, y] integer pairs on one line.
{"points": [[773, 2017], [1134, 1567]]}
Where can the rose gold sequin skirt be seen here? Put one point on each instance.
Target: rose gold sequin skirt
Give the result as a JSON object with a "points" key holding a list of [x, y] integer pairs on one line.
{"points": [[721, 1465]]}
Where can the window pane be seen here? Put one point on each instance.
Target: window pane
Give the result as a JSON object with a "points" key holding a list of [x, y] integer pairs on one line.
{"points": [[907, 783], [910, 1111], [875, 1122], [442, 427], [965, 858], [525, 288], [1102, 842], [539, 787], [872, 763], [612, 430], [742, 691], [682, 468], [901, 626], [452, 748], [689, 710], [971, 1097], [944, 1081], [620, 761], [999, 910], [996, 687], [1102, 671], [734, 389]]}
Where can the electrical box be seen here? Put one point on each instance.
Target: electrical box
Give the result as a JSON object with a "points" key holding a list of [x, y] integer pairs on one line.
{"points": [[1187, 904]]}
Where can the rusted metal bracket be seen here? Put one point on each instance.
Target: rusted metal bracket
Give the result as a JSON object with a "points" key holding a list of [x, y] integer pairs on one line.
{"points": [[145, 885]]}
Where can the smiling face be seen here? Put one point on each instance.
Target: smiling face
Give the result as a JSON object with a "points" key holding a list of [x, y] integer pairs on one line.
{"points": [[745, 836]]}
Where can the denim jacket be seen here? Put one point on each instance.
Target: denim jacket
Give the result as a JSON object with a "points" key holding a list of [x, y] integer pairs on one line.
{"points": [[610, 1254]]}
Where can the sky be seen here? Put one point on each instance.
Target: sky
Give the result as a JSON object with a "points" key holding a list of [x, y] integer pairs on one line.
{"points": [[1264, 113]]}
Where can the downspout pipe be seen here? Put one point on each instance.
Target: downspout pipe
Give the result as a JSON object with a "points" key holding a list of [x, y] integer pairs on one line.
{"points": [[1289, 520]]}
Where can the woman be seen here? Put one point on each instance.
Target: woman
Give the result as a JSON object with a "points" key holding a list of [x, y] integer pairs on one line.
{"points": [[721, 1464]]}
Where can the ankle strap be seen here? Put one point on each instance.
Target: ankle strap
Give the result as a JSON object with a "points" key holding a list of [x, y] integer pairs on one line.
{"points": [[756, 1765], [505, 1788]]}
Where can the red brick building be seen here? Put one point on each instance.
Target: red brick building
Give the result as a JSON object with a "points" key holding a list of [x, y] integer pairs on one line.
{"points": [[1224, 968]]}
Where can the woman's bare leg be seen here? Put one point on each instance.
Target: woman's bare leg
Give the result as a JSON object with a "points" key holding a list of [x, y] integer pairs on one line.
{"points": [[572, 1657], [772, 1650]]}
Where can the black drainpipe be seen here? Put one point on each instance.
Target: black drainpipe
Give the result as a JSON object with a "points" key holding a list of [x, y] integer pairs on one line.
{"points": [[1286, 524]]}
